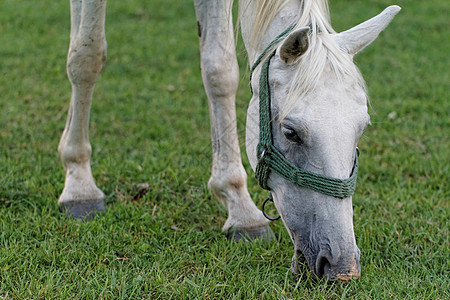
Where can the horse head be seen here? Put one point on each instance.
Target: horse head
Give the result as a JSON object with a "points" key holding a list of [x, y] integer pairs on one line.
{"points": [[318, 112]]}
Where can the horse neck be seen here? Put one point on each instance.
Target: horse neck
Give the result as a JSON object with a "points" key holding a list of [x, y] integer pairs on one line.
{"points": [[255, 44], [262, 21]]}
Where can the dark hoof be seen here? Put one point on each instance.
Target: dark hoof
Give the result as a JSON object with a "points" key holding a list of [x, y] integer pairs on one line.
{"points": [[84, 210], [247, 235]]}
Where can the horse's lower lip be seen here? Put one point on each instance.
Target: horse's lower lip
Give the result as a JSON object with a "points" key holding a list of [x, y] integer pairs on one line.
{"points": [[354, 273], [347, 277]]}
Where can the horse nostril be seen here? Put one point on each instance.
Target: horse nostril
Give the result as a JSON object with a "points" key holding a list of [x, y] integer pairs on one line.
{"points": [[324, 270], [323, 266], [337, 267]]}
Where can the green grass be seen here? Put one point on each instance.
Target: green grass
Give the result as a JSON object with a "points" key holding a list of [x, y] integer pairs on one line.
{"points": [[150, 123]]}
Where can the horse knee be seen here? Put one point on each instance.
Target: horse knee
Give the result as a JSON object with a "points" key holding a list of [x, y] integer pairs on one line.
{"points": [[220, 74], [86, 60]]}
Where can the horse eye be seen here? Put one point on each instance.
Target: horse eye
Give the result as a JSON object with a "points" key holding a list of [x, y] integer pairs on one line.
{"points": [[291, 135]]}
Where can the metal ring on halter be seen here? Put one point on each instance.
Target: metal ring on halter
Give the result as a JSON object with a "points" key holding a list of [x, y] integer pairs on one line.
{"points": [[357, 151], [262, 154], [264, 213]]}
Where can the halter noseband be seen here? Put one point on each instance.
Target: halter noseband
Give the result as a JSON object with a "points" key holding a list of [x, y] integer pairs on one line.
{"points": [[271, 159]]}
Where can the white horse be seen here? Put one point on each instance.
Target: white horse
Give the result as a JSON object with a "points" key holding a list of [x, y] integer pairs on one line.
{"points": [[305, 82]]}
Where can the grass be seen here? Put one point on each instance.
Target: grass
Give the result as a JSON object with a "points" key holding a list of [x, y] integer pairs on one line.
{"points": [[149, 123]]}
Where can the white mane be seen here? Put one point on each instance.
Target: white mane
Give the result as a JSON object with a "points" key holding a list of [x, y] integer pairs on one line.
{"points": [[323, 51]]}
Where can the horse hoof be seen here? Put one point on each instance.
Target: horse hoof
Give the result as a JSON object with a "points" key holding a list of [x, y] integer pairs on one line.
{"points": [[247, 235], [82, 210]]}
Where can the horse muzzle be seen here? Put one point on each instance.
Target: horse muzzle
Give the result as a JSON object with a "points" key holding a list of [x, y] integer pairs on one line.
{"points": [[325, 265]]}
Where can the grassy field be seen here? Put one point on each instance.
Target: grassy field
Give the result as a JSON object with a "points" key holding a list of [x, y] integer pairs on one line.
{"points": [[149, 123]]}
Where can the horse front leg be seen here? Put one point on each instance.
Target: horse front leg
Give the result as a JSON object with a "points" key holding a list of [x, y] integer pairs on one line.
{"points": [[86, 57], [220, 73]]}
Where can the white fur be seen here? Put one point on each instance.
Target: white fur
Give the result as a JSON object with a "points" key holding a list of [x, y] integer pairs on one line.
{"points": [[357, 38], [85, 60], [322, 97], [220, 74], [326, 101]]}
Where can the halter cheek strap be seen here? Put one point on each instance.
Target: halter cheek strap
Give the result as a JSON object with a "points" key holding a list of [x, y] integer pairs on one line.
{"points": [[270, 159]]}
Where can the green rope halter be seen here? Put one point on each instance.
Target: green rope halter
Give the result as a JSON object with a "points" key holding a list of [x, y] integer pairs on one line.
{"points": [[270, 159]]}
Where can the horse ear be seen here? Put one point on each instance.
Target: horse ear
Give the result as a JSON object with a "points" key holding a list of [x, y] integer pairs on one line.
{"points": [[360, 36], [294, 45]]}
